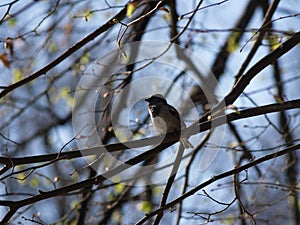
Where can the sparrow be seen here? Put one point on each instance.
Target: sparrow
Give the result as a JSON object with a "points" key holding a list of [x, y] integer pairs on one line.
{"points": [[165, 118]]}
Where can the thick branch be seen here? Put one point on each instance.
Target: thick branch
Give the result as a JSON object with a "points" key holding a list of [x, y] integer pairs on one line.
{"points": [[244, 80], [261, 34], [171, 137], [169, 140]]}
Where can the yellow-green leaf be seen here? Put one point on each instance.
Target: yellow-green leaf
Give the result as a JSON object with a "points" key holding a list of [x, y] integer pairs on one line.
{"points": [[63, 94], [115, 20], [274, 42], [17, 75], [131, 7], [230, 219], [34, 182], [157, 190], [88, 15], [85, 59], [119, 188], [232, 43], [74, 204], [52, 47], [145, 206], [12, 21], [21, 178]]}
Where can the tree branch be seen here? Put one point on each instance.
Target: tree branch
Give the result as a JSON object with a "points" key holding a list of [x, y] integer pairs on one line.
{"points": [[169, 138], [219, 177], [244, 80], [66, 54]]}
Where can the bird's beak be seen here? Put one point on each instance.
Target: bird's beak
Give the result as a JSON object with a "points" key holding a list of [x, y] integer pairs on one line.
{"points": [[147, 99]]}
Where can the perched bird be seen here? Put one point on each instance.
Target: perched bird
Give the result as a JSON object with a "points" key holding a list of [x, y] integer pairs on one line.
{"points": [[165, 117]]}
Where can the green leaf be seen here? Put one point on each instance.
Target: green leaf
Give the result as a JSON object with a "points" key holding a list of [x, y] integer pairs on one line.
{"points": [[115, 20], [145, 206], [85, 59], [157, 190], [119, 188], [21, 178], [274, 42], [74, 204], [230, 219], [12, 21], [52, 47], [232, 43], [63, 94], [131, 7], [88, 15], [17, 75], [34, 182]]}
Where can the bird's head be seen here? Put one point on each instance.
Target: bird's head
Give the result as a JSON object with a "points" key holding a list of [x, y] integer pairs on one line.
{"points": [[156, 99]]}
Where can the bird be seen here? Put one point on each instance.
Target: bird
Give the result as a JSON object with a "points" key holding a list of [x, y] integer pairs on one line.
{"points": [[165, 118]]}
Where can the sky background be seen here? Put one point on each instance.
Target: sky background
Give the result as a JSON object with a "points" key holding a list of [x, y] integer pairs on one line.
{"points": [[36, 47]]}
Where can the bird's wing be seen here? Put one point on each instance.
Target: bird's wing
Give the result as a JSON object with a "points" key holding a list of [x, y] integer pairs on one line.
{"points": [[174, 112]]}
